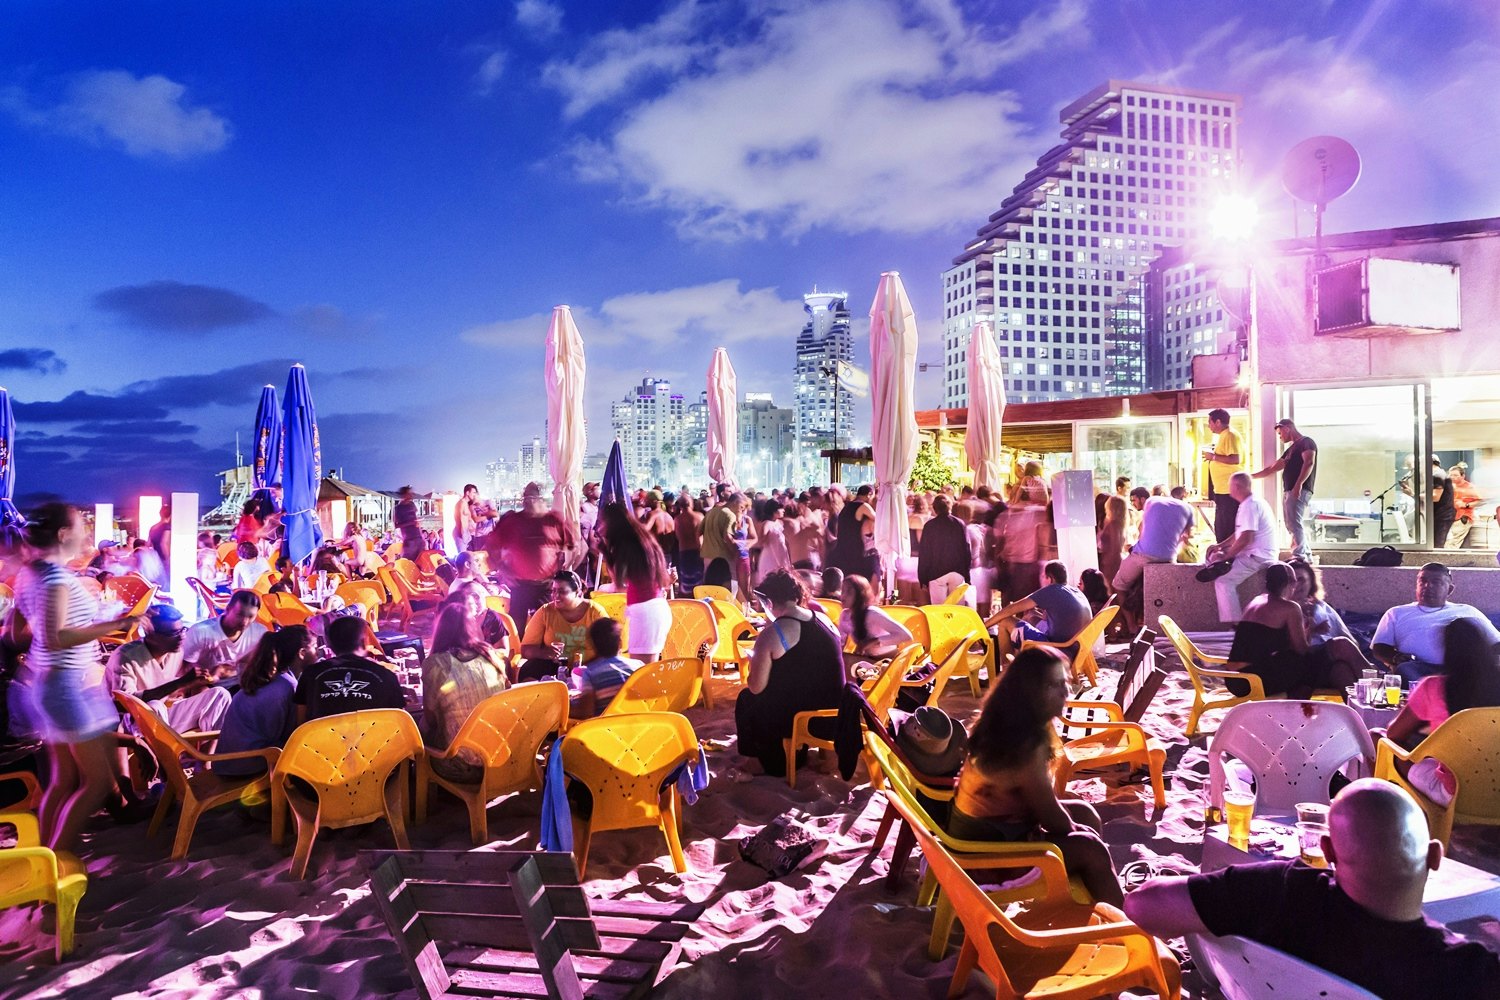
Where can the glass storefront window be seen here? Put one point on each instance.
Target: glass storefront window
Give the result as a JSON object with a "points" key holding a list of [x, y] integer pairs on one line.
{"points": [[1197, 438], [1139, 450], [1466, 443], [1370, 446]]}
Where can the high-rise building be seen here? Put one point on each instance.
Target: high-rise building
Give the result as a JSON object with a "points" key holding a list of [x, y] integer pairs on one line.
{"points": [[648, 423], [1057, 266], [825, 415], [1185, 317], [768, 438], [531, 466]]}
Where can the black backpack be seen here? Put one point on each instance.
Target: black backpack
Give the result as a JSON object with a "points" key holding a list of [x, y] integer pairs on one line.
{"points": [[1380, 555]]}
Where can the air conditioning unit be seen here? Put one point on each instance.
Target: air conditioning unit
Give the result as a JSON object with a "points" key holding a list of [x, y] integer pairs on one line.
{"points": [[1382, 297]]}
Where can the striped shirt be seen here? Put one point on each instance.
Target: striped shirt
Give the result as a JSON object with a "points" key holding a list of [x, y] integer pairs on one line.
{"points": [[605, 677], [82, 609]]}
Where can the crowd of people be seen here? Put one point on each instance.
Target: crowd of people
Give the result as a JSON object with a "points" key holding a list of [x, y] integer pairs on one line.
{"points": [[781, 554]]}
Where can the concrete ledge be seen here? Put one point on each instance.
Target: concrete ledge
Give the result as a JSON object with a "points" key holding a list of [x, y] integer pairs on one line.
{"points": [[1170, 589]]}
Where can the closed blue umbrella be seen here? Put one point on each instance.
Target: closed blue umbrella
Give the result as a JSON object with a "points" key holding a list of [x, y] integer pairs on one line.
{"points": [[301, 471], [265, 452], [612, 488], [11, 520]]}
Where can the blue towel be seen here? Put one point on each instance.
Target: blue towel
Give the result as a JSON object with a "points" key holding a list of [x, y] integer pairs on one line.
{"points": [[692, 777], [557, 819]]}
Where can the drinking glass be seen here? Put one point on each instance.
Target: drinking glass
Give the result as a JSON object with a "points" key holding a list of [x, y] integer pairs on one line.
{"points": [[1310, 841], [1312, 812], [1239, 807], [1393, 688]]}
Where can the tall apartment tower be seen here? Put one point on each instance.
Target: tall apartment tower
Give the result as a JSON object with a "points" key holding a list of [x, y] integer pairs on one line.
{"points": [[1058, 267], [649, 423], [823, 413]]}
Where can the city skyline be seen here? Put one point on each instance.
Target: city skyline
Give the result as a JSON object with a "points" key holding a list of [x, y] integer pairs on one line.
{"points": [[198, 197]]}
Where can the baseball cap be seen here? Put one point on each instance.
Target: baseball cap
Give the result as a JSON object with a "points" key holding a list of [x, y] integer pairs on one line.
{"points": [[163, 618]]}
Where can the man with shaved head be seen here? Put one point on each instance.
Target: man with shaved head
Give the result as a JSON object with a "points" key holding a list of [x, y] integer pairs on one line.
{"points": [[1360, 919]]}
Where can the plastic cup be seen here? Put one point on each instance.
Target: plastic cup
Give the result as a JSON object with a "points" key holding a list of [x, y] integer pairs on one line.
{"points": [[1239, 807], [1310, 843], [1393, 689], [1312, 812]]}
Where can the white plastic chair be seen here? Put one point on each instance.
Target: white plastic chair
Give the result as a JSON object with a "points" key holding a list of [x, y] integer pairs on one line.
{"points": [[1291, 748], [1248, 970]]}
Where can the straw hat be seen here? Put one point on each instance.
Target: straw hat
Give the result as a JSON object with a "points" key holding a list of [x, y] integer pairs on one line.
{"points": [[932, 742]]}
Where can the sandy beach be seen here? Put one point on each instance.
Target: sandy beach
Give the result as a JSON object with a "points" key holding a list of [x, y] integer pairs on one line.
{"points": [[229, 922]]}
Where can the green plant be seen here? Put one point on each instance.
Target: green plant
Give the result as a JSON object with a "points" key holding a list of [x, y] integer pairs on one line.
{"points": [[930, 472]]}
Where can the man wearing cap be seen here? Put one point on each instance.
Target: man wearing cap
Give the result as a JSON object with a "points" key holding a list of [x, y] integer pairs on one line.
{"points": [[529, 546], [1298, 468], [219, 645], [152, 669]]}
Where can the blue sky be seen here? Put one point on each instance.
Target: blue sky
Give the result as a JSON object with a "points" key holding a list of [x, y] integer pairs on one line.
{"points": [[196, 195]]}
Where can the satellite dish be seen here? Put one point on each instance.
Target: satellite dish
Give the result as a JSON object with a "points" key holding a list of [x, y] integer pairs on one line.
{"points": [[1318, 170]]}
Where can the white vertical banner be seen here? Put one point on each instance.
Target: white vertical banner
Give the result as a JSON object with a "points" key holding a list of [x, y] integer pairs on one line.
{"points": [[448, 511], [104, 523], [1073, 517], [147, 515], [184, 551]]}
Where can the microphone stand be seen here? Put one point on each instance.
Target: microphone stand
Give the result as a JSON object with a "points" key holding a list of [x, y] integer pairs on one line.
{"points": [[1380, 499]]}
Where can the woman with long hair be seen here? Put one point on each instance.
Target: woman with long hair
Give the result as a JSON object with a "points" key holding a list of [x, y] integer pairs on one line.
{"points": [[68, 704], [262, 713], [637, 565], [1270, 641], [1111, 536], [461, 671], [874, 634], [1470, 678], [1005, 790]]}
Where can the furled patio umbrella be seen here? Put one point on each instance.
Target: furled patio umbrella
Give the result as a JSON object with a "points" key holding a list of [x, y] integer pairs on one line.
{"points": [[613, 488], [11, 521], [302, 470], [986, 408], [723, 418], [563, 373], [893, 370], [265, 450]]}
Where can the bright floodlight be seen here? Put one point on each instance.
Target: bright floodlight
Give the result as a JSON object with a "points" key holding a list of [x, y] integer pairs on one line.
{"points": [[1234, 218]]}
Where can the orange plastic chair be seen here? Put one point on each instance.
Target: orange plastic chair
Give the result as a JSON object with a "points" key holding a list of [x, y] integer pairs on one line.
{"points": [[31, 873], [408, 571], [614, 606], [199, 792], [213, 601], [367, 594], [357, 765], [31, 800], [1114, 742], [1469, 745], [950, 624], [624, 761], [407, 602], [736, 638], [228, 555], [137, 595], [663, 686], [694, 626], [1085, 665], [1054, 949], [287, 609], [428, 560], [506, 732], [883, 691], [710, 592]]}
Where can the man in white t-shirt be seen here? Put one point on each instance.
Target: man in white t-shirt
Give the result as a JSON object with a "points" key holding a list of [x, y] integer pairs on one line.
{"points": [[251, 567], [151, 668], [220, 645], [1252, 546], [1409, 638]]}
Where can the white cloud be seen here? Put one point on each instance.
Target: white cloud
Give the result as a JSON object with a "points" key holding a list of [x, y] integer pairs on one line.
{"points": [[489, 73], [142, 115], [538, 17], [856, 115]]}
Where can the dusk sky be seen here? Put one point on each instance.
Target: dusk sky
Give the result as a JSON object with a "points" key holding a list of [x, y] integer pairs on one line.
{"points": [[197, 194]]}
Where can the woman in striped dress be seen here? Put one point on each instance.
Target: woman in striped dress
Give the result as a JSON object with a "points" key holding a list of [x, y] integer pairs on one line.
{"points": [[69, 703]]}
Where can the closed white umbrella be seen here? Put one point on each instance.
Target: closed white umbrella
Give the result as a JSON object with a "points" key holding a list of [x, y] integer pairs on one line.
{"points": [[723, 418], [986, 408], [563, 373], [893, 372]]}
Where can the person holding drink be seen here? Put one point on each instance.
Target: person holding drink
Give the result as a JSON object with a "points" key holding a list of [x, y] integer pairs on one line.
{"points": [[559, 629]]}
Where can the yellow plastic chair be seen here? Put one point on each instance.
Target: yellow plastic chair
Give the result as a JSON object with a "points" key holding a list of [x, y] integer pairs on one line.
{"points": [[406, 601], [1114, 741], [366, 593], [1469, 745], [428, 560], [1054, 949], [883, 691], [357, 765], [1040, 871], [614, 606], [832, 608], [506, 732], [624, 761], [949, 624], [709, 592], [137, 595], [262, 584], [1206, 695], [512, 636], [663, 686], [736, 638], [915, 622], [958, 594], [287, 609], [199, 792], [694, 634], [497, 603], [408, 571], [881, 696], [31, 873], [1085, 665]]}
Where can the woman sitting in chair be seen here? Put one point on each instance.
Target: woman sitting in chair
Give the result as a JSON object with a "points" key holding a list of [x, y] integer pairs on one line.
{"points": [[461, 671], [874, 634], [1470, 678], [261, 713], [1005, 790], [795, 667], [1270, 641]]}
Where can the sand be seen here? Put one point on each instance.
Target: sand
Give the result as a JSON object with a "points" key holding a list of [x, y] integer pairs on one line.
{"points": [[229, 922]]}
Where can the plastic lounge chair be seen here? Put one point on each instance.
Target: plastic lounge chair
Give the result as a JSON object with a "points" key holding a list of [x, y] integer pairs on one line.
{"points": [[624, 761], [1038, 865], [516, 924], [1084, 663], [506, 732], [1469, 745], [1248, 970], [199, 792], [357, 765], [886, 687], [1203, 670], [31, 873], [693, 626], [406, 601], [1292, 748], [1053, 948], [736, 638], [662, 686], [949, 624]]}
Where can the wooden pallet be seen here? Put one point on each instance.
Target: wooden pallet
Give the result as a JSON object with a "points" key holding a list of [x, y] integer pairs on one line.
{"points": [[517, 924]]}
